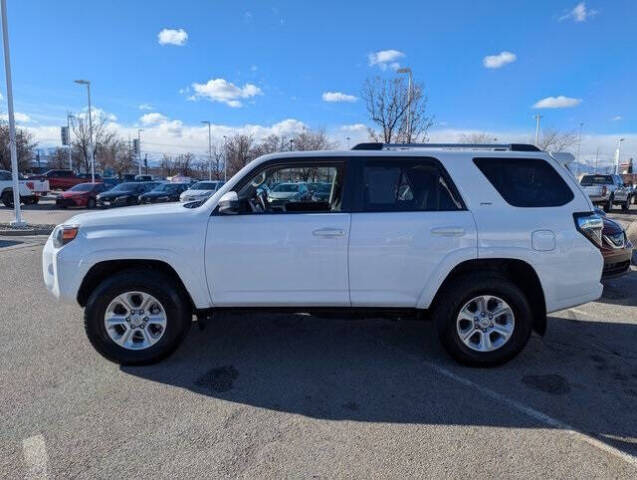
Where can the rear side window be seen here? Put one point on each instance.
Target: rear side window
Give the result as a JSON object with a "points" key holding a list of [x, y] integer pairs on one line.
{"points": [[398, 185], [590, 180], [525, 182]]}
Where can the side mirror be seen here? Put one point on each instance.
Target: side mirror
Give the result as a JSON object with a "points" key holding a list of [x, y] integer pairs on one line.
{"points": [[229, 204]]}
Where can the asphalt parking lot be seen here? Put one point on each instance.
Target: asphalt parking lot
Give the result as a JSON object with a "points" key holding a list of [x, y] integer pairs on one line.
{"points": [[273, 396]]}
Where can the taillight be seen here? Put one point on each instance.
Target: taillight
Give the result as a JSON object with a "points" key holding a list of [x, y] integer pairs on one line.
{"points": [[590, 225]]}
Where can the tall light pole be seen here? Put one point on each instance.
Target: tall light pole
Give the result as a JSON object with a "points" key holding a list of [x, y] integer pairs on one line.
{"points": [[596, 159], [139, 150], [90, 127], [579, 141], [69, 116], [617, 159], [537, 129], [18, 222], [407, 70], [206, 122], [225, 159]]}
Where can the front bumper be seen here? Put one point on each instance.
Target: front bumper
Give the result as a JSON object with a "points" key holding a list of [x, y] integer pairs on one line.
{"points": [[617, 263], [62, 272]]}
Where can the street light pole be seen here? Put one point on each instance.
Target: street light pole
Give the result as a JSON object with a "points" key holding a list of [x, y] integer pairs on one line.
{"points": [[18, 222], [225, 159], [206, 122], [139, 150], [407, 70], [68, 126], [537, 129], [617, 160], [579, 142], [90, 127]]}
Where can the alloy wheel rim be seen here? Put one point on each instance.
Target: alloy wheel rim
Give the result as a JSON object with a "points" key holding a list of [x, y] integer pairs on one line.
{"points": [[485, 323], [135, 320]]}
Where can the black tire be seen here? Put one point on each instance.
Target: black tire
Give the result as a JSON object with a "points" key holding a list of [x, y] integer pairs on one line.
{"points": [[90, 204], [160, 286], [608, 206], [626, 205], [7, 198], [462, 290]]}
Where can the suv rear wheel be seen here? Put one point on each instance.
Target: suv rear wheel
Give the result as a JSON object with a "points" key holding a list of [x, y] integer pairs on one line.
{"points": [[483, 319], [137, 317]]}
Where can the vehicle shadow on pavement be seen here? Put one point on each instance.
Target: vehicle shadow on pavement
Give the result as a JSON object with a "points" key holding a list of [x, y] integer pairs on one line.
{"points": [[389, 371], [621, 291]]}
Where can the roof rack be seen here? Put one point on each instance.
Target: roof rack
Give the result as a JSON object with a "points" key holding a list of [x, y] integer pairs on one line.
{"points": [[511, 147]]}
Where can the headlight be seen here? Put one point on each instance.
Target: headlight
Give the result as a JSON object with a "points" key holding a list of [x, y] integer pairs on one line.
{"points": [[64, 234]]}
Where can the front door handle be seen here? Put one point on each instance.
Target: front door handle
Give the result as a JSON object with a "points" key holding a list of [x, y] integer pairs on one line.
{"points": [[448, 231], [329, 232]]}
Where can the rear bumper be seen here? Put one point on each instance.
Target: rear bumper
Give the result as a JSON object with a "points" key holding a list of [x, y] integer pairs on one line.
{"points": [[70, 202]]}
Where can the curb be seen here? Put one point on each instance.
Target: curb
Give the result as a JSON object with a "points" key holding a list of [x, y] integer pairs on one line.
{"points": [[23, 232]]}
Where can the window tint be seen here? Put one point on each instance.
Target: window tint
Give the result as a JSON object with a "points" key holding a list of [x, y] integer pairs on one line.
{"points": [[588, 180], [525, 182], [5, 176], [284, 189], [407, 186]]}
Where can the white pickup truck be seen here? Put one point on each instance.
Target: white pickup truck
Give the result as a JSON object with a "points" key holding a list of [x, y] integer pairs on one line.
{"points": [[30, 190], [606, 190]]}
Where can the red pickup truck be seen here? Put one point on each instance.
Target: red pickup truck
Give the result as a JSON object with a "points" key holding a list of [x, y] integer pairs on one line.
{"points": [[59, 179]]}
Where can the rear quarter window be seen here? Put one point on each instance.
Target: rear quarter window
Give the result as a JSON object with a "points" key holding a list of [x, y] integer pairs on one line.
{"points": [[526, 182]]}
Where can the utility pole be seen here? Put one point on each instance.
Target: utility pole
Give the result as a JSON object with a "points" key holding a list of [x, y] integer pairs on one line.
{"points": [[70, 146], [579, 141], [12, 145], [139, 150], [596, 158], [206, 122], [225, 159], [537, 129], [617, 159], [91, 154], [407, 70]]}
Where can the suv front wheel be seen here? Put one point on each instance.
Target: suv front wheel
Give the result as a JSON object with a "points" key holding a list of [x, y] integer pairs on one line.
{"points": [[483, 319], [137, 317]]}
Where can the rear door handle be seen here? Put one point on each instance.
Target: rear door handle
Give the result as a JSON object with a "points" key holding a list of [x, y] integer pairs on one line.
{"points": [[448, 231], [329, 232]]}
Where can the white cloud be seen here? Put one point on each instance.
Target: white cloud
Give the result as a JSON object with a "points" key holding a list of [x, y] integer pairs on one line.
{"points": [[152, 118], [355, 127], [18, 116], [617, 118], [499, 60], [338, 97], [579, 13], [385, 58], [220, 90], [169, 36], [558, 102], [97, 114], [145, 106], [254, 68]]}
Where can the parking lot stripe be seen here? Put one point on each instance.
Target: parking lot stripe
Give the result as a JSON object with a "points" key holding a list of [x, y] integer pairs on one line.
{"points": [[35, 456], [535, 414]]}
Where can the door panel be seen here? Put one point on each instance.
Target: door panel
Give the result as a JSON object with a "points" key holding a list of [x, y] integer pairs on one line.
{"points": [[282, 259], [393, 255]]}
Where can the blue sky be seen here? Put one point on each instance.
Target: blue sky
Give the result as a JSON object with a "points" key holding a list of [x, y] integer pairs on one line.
{"points": [[263, 63]]}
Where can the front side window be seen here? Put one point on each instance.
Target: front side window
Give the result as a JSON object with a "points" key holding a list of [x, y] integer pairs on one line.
{"points": [[284, 189], [407, 186], [526, 182]]}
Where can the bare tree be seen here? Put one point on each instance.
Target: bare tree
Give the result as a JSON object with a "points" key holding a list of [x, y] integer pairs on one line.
{"points": [[238, 152], [476, 138], [388, 102], [59, 158], [556, 141], [312, 140], [25, 146], [102, 136], [117, 155]]}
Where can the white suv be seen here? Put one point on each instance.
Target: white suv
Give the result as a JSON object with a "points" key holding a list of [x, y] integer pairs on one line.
{"points": [[487, 240]]}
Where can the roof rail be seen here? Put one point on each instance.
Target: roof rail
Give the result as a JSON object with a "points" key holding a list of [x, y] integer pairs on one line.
{"points": [[511, 147]]}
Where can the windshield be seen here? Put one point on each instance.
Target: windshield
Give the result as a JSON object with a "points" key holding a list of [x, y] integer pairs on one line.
{"points": [[163, 187], [125, 187], [588, 180], [204, 186], [82, 187], [286, 187]]}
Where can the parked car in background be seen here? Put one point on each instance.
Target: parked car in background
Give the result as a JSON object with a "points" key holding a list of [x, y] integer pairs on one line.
{"points": [[128, 177], [200, 190], [81, 195], [606, 191], [164, 192], [144, 178], [282, 193], [321, 191], [87, 177], [110, 182], [616, 248], [487, 240], [124, 194], [59, 179], [30, 190]]}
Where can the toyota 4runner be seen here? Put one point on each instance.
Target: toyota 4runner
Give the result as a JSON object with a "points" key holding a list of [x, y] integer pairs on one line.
{"points": [[486, 239]]}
